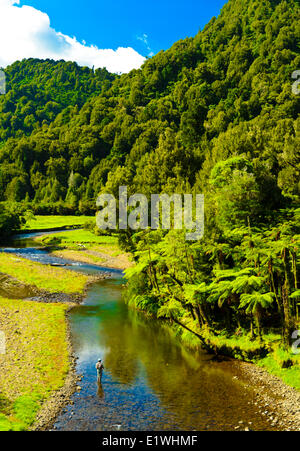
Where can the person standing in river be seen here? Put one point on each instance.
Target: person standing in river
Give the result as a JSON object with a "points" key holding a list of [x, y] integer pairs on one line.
{"points": [[99, 368]]}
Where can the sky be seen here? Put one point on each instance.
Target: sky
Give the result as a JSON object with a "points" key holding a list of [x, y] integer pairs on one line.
{"points": [[116, 34]]}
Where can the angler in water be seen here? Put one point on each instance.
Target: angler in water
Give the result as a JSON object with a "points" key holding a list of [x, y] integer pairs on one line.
{"points": [[99, 368]]}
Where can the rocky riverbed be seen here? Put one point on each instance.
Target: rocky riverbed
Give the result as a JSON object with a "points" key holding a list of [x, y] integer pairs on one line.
{"points": [[279, 403]]}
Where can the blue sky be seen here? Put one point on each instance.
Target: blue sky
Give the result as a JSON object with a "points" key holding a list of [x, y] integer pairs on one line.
{"points": [[117, 35], [111, 24]]}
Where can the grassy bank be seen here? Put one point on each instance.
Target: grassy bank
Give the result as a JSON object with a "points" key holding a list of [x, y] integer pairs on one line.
{"points": [[284, 365], [48, 222], [43, 277], [36, 361], [72, 238], [85, 246]]}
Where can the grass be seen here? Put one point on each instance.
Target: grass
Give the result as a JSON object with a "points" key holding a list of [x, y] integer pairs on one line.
{"points": [[237, 346], [48, 222], [36, 361], [74, 237], [242, 342], [283, 364], [44, 277]]}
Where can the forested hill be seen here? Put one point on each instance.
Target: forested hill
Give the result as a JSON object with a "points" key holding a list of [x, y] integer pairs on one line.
{"points": [[38, 90], [224, 93]]}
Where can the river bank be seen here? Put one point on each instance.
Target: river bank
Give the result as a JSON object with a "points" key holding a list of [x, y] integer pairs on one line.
{"points": [[278, 402], [102, 258], [62, 397], [12, 288], [34, 304], [36, 359], [55, 223], [46, 278], [83, 246]]}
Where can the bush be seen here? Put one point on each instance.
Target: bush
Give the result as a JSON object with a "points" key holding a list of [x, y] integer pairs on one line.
{"points": [[11, 220]]}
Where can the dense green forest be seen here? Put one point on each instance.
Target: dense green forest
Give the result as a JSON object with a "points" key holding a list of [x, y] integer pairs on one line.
{"points": [[38, 90], [214, 114]]}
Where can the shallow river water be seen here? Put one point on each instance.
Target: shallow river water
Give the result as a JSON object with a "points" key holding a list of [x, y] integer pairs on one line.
{"points": [[151, 382]]}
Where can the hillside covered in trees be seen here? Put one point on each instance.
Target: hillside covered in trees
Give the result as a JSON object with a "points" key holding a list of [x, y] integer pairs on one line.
{"points": [[215, 114], [226, 91], [38, 90]]}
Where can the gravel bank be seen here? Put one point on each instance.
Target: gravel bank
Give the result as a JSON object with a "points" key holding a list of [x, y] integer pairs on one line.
{"points": [[277, 401], [11, 288], [60, 399]]}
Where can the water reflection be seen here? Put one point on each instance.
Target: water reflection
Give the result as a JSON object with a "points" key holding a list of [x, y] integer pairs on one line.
{"points": [[100, 391]]}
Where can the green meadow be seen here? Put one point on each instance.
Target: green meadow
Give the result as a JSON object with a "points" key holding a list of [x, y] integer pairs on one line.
{"points": [[48, 222], [43, 277], [36, 361], [75, 237]]}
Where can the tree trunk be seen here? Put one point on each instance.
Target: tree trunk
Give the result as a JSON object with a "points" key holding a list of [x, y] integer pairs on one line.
{"points": [[252, 328], [288, 327], [288, 322], [258, 315], [200, 319], [279, 305], [193, 332]]}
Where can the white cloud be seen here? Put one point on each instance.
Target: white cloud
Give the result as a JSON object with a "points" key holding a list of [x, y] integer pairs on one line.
{"points": [[25, 32], [144, 39]]}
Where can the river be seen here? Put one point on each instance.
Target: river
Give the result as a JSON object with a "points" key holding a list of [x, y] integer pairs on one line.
{"points": [[151, 382]]}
